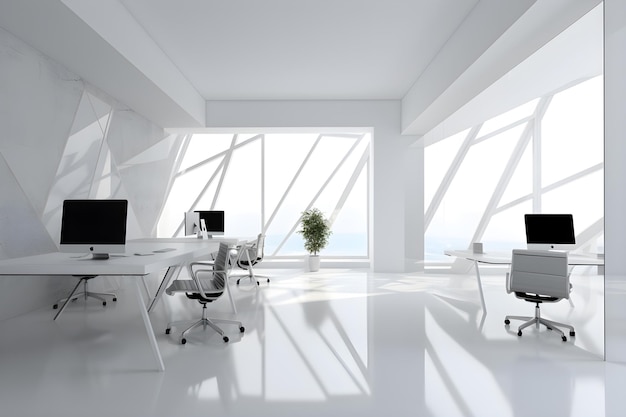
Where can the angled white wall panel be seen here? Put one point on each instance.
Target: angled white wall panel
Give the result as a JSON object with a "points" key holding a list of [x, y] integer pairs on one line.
{"points": [[144, 180], [39, 100], [90, 107], [21, 234], [62, 139], [130, 134]]}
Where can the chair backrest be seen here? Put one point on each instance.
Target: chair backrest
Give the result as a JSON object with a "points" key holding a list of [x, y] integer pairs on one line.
{"points": [[540, 272], [260, 244], [252, 252], [220, 266]]}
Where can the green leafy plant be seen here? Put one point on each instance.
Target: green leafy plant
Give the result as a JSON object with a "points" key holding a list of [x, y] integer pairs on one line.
{"points": [[315, 230]]}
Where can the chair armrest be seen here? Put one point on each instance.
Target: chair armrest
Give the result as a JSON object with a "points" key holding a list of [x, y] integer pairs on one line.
{"points": [[508, 283], [202, 263], [181, 285]]}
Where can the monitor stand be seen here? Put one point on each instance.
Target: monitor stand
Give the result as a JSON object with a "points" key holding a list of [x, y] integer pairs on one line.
{"points": [[202, 234], [100, 256], [550, 246], [539, 246]]}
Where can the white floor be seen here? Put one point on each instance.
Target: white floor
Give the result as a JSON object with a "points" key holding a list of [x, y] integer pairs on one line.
{"points": [[331, 343]]}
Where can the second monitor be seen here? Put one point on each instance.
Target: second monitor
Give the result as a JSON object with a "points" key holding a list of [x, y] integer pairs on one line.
{"points": [[209, 222], [550, 231]]}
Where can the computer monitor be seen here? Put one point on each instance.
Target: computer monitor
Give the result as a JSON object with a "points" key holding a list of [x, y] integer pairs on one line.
{"points": [[211, 221], [94, 226], [550, 231], [192, 223]]}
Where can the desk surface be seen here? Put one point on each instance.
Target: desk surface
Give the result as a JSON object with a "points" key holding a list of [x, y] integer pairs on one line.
{"points": [[142, 257], [504, 258]]}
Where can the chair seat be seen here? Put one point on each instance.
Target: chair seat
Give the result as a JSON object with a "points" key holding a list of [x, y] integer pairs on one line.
{"points": [[190, 287], [536, 298]]}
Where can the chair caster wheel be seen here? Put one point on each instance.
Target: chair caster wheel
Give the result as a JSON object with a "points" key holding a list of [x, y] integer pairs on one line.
{"points": [[114, 298], [225, 338], [507, 322], [549, 328], [564, 338], [183, 341], [238, 282], [104, 303], [54, 307], [167, 331], [519, 332], [242, 329], [572, 334], [257, 283]]}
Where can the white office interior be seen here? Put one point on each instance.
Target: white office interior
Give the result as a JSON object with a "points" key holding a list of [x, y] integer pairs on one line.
{"points": [[67, 74]]}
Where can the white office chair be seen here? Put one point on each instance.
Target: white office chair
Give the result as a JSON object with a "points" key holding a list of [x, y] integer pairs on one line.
{"points": [[539, 277], [251, 254], [206, 285]]}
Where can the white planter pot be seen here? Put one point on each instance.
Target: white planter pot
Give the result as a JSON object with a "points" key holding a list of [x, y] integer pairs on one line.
{"points": [[314, 263]]}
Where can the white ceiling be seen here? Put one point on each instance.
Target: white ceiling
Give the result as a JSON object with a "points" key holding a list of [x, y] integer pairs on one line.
{"points": [[165, 59], [294, 49]]}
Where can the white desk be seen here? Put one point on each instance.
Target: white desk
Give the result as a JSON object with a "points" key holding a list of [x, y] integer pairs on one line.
{"points": [[152, 261], [504, 258]]}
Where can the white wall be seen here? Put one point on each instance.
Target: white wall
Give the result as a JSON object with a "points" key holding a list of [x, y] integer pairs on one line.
{"points": [[414, 208], [389, 226], [64, 139], [615, 180]]}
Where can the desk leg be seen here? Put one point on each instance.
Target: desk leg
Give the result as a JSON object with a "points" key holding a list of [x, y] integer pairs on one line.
{"points": [[69, 298], [480, 287], [230, 295], [149, 330], [171, 272], [145, 285]]}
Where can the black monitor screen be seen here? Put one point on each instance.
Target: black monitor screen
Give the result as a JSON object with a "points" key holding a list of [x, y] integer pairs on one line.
{"points": [[550, 228], [213, 220], [94, 222]]}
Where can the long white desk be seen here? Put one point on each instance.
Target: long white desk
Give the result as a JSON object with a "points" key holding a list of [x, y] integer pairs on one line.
{"points": [[142, 257], [504, 258]]}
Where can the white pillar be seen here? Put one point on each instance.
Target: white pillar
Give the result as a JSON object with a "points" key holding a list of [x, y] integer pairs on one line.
{"points": [[615, 179]]}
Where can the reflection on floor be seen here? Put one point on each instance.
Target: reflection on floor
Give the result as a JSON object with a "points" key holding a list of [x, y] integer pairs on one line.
{"points": [[331, 343]]}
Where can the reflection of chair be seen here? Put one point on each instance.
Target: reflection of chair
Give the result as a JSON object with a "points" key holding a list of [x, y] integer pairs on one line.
{"points": [[74, 295], [250, 254], [205, 286], [539, 277]]}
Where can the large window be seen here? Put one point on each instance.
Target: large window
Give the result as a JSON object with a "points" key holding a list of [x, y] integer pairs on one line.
{"points": [[264, 182], [545, 156]]}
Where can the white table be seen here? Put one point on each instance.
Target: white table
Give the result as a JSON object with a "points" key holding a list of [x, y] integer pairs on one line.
{"points": [[504, 258], [142, 257]]}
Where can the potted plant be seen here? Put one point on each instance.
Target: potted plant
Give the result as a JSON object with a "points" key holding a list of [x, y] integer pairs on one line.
{"points": [[315, 231]]}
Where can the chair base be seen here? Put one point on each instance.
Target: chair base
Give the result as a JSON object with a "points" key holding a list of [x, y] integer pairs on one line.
{"points": [[251, 275], [97, 295], [204, 322], [85, 294], [253, 278], [537, 320]]}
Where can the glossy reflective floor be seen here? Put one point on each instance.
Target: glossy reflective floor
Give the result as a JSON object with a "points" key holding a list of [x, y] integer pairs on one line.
{"points": [[331, 343]]}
